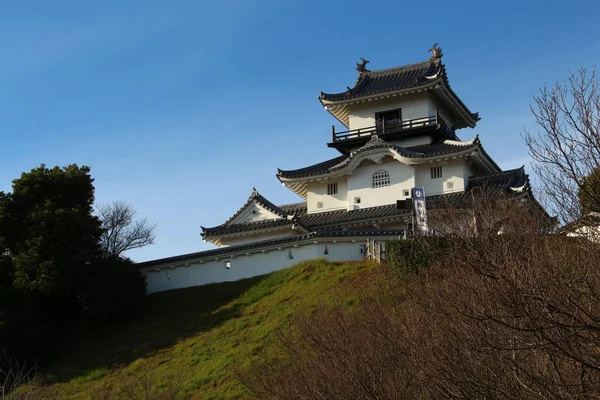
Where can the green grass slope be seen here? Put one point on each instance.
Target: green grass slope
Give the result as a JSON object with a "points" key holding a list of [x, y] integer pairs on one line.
{"points": [[192, 341]]}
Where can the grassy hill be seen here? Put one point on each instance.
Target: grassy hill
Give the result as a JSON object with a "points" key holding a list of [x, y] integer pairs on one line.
{"points": [[192, 341]]}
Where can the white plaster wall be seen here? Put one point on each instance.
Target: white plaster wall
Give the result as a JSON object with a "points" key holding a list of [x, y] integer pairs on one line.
{"points": [[254, 212], [246, 266], [317, 192], [225, 242], [215, 271], [454, 171], [417, 105], [443, 111], [359, 184]]}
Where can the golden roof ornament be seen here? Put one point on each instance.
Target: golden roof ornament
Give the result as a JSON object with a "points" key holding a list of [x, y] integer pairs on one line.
{"points": [[437, 52]]}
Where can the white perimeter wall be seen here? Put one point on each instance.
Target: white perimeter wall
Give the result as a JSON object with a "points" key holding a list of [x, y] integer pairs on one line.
{"points": [[247, 266]]}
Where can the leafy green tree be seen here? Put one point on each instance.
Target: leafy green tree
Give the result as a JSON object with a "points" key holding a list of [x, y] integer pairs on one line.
{"points": [[589, 193], [51, 233], [52, 268]]}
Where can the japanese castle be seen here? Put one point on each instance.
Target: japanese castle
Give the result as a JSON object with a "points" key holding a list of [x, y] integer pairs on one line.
{"points": [[402, 133]]}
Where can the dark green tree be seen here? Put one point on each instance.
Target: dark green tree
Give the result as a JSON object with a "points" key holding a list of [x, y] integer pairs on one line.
{"points": [[589, 193], [52, 236], [52, 268]]}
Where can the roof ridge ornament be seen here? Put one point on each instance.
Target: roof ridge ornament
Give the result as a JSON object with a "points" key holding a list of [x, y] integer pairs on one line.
{"points": [[362, 66], [436, 52]]}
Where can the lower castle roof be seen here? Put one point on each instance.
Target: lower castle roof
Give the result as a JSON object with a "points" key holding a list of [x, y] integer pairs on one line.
{"points": [[509, 182], [444, 148]]}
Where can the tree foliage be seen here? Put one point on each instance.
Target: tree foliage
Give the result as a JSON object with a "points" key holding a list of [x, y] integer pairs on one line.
{"points": [[51, 234], [121, 231], [53, 271]]}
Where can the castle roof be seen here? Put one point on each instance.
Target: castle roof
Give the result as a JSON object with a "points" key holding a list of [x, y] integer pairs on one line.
{"points": [[427, 75], [414, 155], [510, 183]]}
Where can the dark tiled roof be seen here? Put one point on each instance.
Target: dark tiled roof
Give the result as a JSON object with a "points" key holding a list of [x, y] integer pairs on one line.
{"points": [[412, 76], [390, 79], [513, 178], [422, 151], [508, 183], [316, 169], [256, 197], [250, 226], [317, 221], [225, 251]]}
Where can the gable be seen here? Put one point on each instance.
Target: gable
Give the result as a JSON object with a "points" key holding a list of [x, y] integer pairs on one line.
{"points": [[254, 212]]}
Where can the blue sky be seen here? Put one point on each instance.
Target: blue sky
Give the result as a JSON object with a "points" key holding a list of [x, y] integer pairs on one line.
{"points": [[180, 107]]}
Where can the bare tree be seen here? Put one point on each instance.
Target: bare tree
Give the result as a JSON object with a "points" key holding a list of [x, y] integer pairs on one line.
{"points": [[122, 231], [567, 148], [513, 316]]}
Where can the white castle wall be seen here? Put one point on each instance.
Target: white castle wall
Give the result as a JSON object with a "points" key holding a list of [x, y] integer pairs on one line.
{"points": [[455, 172], [317, 193], [402, 177], [418, 105], [214, 270]]}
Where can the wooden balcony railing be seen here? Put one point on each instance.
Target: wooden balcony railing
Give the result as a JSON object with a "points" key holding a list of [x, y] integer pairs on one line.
{"points": [[385, 127]]}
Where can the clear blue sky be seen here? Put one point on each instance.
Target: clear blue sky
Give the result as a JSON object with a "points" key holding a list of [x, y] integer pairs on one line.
{"points": [[180, 107]]}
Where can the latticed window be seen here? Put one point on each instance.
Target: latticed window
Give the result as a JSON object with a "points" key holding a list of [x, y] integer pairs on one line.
{"points": [[436, 172], [381, 178], [332, 188]]}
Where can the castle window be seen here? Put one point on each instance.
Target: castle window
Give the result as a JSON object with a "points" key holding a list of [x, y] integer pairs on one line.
{"points": [[290, 255], [436, 172], [387, 117], [332, 188], [381, 178], [406, 192], [227, 264]]}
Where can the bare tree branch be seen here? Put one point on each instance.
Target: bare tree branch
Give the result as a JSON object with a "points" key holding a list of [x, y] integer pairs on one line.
{"points": [[121, 231], [567, 147]]}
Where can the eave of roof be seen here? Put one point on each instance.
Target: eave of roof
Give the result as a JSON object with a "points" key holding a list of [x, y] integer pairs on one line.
{"points": [[232, 229], [412, 155]]}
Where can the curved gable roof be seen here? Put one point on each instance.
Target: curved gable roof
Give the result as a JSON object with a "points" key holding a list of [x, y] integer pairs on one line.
{"points": [[430, 74]]}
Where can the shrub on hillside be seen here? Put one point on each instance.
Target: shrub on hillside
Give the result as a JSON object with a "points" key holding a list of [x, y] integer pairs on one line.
{"points": [[416, 255], [509, 316]]}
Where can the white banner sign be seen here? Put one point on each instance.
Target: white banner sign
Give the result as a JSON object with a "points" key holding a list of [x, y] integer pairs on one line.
{"points": [[418, 196]]}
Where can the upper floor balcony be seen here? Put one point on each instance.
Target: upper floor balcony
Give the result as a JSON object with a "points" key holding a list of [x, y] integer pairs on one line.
{"points": [[390, 129]]}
